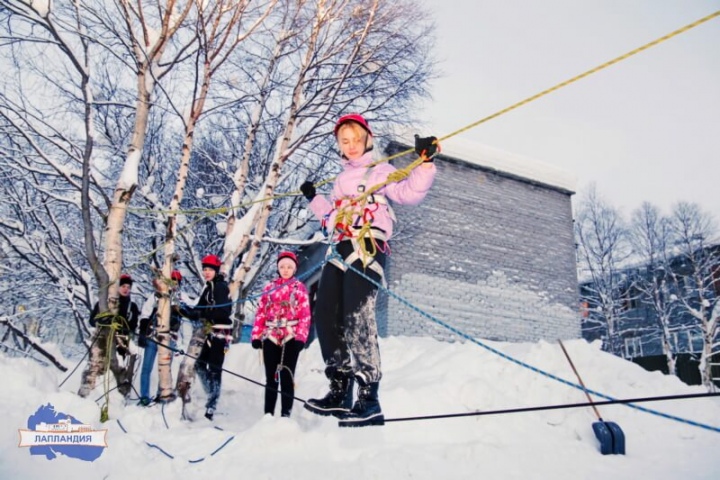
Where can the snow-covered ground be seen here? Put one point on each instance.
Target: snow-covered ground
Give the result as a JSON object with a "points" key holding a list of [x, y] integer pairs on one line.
{"points": [[421, 377]]}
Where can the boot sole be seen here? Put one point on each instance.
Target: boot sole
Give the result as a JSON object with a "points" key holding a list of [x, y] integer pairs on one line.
{"points": [[326, 412], [374, 420]]}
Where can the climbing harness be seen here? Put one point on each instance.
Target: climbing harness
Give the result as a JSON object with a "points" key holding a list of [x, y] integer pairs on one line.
{"points": [[221, 332], [284, 329], [361, 252], [354, 217]]}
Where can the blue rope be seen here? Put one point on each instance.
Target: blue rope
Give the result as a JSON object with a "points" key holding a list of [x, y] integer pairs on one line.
{"points": [[167, 454], [516, 361], [253, 297]]}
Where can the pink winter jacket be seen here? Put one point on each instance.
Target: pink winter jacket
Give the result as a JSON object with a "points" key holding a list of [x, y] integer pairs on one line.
{"points": [[410, 191], [283, 312]]}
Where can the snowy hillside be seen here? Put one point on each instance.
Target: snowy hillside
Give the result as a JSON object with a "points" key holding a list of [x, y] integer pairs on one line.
{"points": [[421, 377]]}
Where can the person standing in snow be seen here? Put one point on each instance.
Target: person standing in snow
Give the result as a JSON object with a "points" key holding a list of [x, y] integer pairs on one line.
{"points": [[214, 330], [127, 316], [360, 227], [281, 328], [148, 334]]}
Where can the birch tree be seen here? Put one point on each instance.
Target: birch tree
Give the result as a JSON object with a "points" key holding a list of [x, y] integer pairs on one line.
{"points": [[602, 248], [147, 33], [219, 31], [135, 108], [651, 240], [368, 57], [77, 32], [695, 277]]}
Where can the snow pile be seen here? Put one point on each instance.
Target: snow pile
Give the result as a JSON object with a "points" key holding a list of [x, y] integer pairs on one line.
{"points": [[421, 377]]}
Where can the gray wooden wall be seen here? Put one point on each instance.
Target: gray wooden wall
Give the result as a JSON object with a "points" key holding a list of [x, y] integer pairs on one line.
{"points": [[488, 253]]}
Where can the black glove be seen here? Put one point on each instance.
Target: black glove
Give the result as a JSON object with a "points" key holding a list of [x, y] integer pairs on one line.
{"points": [[426, 146], [186, 311], [142, 341], [256, 344], [308, 190]]}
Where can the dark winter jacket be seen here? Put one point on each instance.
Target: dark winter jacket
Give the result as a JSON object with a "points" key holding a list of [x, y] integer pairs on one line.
{"points": [[214, 304], [128, 314]]}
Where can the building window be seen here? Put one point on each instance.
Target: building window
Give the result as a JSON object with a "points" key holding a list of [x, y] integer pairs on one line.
{"points": [[716, 280], [633, 347], [695, 341], [630, 299]]}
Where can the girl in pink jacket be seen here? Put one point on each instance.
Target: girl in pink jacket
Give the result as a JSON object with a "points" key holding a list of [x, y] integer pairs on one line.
{"points": [[281, 328], [359, 226]]}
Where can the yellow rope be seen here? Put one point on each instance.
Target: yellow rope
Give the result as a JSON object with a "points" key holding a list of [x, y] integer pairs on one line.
{"points": [[584, 74], [209, 212], [116, 324], [474, 124]]}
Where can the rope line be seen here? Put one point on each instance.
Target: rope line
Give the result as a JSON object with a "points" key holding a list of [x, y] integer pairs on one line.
{"points": [[608, 400], [171, 456], [300, 277], [519, 362], [206, 213], [555, 407], [585, 74], [470, 126]]}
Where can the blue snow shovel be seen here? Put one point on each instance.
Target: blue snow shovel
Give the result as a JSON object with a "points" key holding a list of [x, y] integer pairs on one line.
{"points": [[610, 435]]}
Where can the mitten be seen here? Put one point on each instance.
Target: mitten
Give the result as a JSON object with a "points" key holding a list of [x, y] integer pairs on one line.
{"points": [[308, 190], [426, 146], [256, 344], [187, 312]]}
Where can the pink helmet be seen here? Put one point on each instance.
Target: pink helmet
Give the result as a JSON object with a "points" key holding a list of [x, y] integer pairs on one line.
{"points": [[353, 117]]}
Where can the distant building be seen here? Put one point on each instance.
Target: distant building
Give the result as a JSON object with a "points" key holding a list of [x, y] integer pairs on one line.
{"points": [[639, 336], [490, 251]]}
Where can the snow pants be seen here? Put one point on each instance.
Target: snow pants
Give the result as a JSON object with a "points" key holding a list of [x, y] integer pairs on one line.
{"points": [[282, 380], [344, 318], [209, 368]]}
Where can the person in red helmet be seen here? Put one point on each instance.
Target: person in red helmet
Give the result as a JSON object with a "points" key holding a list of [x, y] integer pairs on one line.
{"points": [[359, 227], [281, 328], [212, 336], [148, 336]]}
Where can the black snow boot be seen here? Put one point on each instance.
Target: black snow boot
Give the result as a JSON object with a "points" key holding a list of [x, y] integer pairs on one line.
{"points": [[366, 410], [337, 401]]}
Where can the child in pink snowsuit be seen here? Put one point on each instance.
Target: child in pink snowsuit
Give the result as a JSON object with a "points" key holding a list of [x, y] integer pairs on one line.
{"points": [[358, 224], [281, 328]]}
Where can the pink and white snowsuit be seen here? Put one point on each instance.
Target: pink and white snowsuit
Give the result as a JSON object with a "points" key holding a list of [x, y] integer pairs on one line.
{"points": [[345, 309], [283, 312]]}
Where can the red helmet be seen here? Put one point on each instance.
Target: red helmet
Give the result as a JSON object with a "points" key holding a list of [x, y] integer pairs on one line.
{"points": [[211, 261], [289, 255], [125, 278], [177, 276], [353, 117]]}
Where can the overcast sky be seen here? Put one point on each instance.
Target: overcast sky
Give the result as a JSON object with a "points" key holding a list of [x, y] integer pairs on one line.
{"points": [[645, 129]]}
